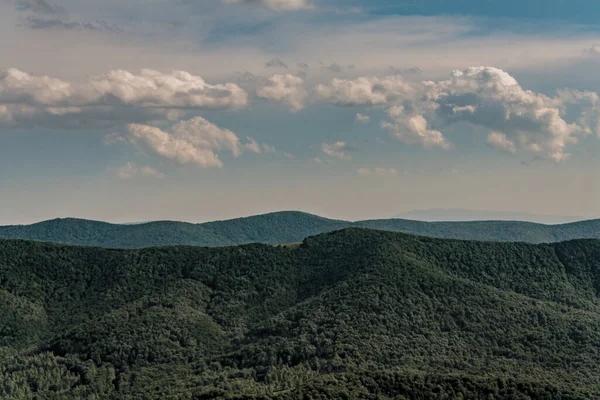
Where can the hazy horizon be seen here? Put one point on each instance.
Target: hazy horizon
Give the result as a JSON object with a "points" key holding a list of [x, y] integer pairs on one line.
{"points": [[429, 215]]}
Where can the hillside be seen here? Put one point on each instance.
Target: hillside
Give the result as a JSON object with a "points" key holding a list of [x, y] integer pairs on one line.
{"points": [[351, 314], [282, 227]]}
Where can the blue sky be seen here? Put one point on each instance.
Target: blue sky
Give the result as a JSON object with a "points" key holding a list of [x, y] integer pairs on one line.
{"points": [[346, 109]]}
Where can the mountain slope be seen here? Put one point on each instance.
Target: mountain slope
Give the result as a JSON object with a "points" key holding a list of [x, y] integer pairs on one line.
{"points": [[282, 227], [353, 313]]}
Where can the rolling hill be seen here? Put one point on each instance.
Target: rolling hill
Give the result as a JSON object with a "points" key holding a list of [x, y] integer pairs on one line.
{"points": [[354, 313], [281, 227]]}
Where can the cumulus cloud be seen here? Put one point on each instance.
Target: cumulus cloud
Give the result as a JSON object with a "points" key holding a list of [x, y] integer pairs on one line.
{"points": [[278, 5], [587, 105], [493, 99], [366, 91], [377, 171], [252, 145], [131, 170], [117, 97], [362, 118], [486, 97], [500, 141], [337, 150], [412, 128], [287, 88], [196, 141]]}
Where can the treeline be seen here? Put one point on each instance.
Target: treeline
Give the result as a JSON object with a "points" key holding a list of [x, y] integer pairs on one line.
{"points": [[282, 227]]}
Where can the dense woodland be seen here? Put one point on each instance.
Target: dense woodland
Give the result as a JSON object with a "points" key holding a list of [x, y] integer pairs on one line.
{"points": [[351, 314], [282, 227]]}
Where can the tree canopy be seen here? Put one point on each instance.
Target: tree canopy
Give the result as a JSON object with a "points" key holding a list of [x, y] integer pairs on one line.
{"points": [[354, 313]]}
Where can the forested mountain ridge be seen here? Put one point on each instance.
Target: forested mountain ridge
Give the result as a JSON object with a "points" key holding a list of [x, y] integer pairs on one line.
{"points": [[281, 227], [355, 313]]}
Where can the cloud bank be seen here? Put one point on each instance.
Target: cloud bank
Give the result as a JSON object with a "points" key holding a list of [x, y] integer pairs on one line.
{"points": [[485, 97], [287, 88], [117, 97]]}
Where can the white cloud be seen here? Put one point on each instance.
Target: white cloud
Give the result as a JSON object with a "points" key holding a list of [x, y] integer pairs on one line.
{"points": [[491, 98], [588, 104], [501, 142], [195, 141], [362, 118], [336, 150], [377, 171], [278, 5], [486, 97], [368, 91], [252, 145], [288, 88], [131, 170], [413, 129], [114, 98]]}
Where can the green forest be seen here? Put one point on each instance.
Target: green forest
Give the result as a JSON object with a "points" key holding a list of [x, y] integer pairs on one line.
{"points": [[282, 227], [353, 313]]}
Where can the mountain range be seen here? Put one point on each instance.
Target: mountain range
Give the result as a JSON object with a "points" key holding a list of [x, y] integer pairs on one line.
{"points": [[459, 214], [354, 313], [279, 228]]}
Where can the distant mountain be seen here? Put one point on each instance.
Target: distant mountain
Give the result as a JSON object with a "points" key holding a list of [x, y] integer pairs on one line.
{"points": [[457, 214], [351, 314], [279, 228]]}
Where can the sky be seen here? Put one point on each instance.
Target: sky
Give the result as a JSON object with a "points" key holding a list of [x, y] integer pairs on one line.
{"points": [[201, 110]]}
